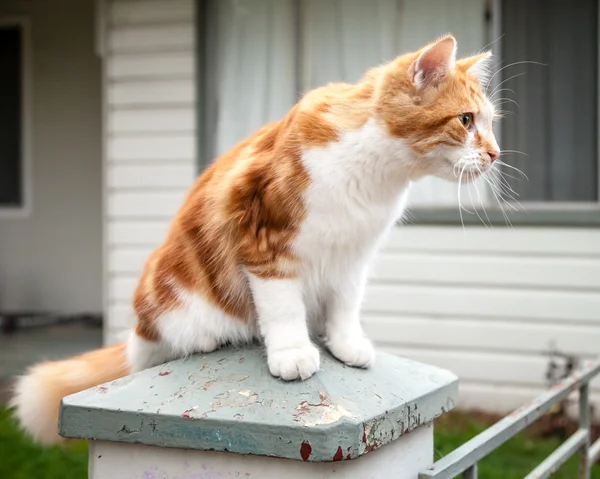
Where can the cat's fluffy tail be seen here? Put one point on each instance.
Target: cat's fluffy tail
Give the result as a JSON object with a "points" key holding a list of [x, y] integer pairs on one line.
{"points": [[38, 393]]}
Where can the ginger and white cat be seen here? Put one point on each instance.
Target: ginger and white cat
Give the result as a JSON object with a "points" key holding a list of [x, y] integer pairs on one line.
{"points": [[275, 237]]}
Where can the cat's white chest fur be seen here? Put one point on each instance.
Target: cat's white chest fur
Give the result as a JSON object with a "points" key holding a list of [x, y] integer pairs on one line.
{"points": [[358, 189]]}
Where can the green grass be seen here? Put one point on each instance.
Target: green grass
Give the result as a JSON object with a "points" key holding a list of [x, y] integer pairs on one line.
{"points": [[20, 459]]}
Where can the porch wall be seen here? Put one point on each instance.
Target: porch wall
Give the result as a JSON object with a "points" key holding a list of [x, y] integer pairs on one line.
{"points": [[488, 304], [150, 132], [51, 258]]}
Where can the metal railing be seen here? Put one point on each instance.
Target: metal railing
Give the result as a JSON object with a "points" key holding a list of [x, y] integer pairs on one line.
{"points": [[464, 459]]}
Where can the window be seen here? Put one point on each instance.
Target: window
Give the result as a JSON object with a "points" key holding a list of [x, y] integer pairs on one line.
{"points": [[13, 116], [555, 123], [260, 55]]}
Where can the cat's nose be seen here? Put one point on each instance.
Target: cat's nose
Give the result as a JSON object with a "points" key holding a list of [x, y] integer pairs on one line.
{"points": [[494, 155]]}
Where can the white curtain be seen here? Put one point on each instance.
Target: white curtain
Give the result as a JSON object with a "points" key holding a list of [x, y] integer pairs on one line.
{"points": [[256, 66], [266, 54]]}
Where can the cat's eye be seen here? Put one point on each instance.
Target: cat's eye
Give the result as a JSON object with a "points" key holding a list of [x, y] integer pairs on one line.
{"points": [[466, 119]]}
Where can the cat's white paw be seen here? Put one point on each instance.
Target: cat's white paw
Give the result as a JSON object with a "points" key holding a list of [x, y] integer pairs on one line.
{"points": [[356, 351], [294, 363]]}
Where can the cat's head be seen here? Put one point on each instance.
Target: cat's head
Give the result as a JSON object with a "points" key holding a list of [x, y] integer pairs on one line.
{"points": [[438, 106]]}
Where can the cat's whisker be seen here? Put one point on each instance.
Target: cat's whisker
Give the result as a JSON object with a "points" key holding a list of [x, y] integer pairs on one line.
{"points": [[493, 190], [460, 207], [504, 81], [513, 151], [475, 207], [512, 65], [500, 162], [482, 202], [506, 190], [506, 184], [504, 89]]}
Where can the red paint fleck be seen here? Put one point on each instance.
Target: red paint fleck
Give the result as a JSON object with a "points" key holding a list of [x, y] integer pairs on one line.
{"points": [[102, 389], [305, 450], [164, 373], [339, 455], [187, 414], [386, 412], [349, 448], [348, 457], [364, 437]]}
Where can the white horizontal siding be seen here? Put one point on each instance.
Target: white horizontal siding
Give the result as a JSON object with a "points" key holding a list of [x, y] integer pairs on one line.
{"points": [[502, 368], [152, 121], [145, 204], [150, 65], [152, 38], [136, 233], [478, 334], [173, 176], [150, 148], [489, 304], [150, 11], [489, 270], [143, 93], [157, 148], [525, 304], [519, 241]]}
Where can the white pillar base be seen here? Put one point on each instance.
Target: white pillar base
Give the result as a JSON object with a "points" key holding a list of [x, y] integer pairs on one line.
{"points": [[401, 459]]}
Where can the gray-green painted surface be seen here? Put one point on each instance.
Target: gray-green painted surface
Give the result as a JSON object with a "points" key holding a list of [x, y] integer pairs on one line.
{"points": [[228, 401]]}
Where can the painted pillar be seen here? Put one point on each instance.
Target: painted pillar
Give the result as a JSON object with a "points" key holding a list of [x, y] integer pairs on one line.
{"points": [[222, 415]]}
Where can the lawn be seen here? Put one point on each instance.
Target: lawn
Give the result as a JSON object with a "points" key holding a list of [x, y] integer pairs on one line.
{"points": [[20, 459]]}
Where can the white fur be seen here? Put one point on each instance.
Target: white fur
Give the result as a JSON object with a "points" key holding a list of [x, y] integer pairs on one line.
{"points": [[200, 327], [143, 354], [358, 191], [36, 416]]}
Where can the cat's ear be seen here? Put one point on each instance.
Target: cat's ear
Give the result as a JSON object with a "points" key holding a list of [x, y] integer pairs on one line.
{"points": [[478, 66], [434, 62]]}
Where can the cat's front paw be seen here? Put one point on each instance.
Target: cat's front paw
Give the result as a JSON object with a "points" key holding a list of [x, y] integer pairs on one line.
{"points": [[293, 363], [355, 351]]}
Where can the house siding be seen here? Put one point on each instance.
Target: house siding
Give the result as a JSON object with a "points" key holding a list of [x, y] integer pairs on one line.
{"points": [[486, 303], [51, 255], [150, 137], [490, 304]]}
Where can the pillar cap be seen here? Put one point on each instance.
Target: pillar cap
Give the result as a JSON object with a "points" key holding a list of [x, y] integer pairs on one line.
{"points": [[228, 401]]}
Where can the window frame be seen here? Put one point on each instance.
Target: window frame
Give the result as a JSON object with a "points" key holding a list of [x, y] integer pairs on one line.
{"points": [[535, 214], [25, 209]]}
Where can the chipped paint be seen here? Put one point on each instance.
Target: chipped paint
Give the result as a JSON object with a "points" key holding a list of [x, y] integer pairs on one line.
{"points": [[339, 454], [235, 402], [305, 450], [226, 379], [311, 415], [190, 413]]}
